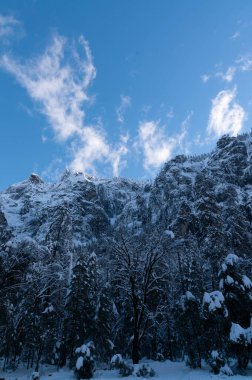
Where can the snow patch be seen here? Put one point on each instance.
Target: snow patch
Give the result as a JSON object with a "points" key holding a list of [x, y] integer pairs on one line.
{"points": [[238, 334], [229, 280], [214, 354], [214, 301], [116, 359], [246, 282], [84, 349], [79, 363], [170, 233], [190, 296], [231, 259], [226, 370]]}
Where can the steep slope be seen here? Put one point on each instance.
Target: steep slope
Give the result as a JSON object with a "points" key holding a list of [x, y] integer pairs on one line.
{"points": [[149, 269], [83, 209]]}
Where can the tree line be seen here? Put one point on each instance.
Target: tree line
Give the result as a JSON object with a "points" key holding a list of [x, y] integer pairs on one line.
{"points": [[141, 294]]}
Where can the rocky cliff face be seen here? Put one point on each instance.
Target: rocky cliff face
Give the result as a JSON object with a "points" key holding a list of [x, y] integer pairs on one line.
{"points": [[191, 196]]}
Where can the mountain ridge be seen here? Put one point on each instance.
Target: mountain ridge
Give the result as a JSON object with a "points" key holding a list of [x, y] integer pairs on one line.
{"points": [[105, 203], [131, 266]]}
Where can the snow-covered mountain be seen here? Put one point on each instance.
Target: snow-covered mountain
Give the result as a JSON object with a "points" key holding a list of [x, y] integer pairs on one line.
{"points": [[148, 269], [83, 209]]}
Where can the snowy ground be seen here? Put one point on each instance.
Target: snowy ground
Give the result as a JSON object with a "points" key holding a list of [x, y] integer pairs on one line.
{"points": [[164, 371]]}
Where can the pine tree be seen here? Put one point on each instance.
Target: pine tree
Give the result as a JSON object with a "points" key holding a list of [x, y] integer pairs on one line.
{"points": [[193, 267], [84, 366], [237, 289], [216, 327], [214, 241], [104, 321], [80, 310], [188, 323], [82, 302]]}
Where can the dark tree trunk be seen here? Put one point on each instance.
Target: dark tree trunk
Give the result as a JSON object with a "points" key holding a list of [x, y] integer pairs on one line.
{"points": [[135, 348]]}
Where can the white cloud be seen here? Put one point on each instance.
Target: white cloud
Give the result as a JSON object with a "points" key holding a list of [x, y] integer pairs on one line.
{"points": [[56, 85], [118, 160], [244, 63], [93, 147], [226, 115], [156, 146], [228, 76], [120, 111], [8, 26], [236, 35], [58, 80], [205, 78], [170, 113], [54, 170]]}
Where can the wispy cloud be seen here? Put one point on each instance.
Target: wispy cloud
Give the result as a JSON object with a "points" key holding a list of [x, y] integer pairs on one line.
{"points": [[8, 26], [226, 115], [236, 35], [244, 62], [56, 85], [58, 81], [156, 146], [120, 111], [54, 170], [228, 76], [119, 154], [93, 147], [205, 78], [170, 113]]}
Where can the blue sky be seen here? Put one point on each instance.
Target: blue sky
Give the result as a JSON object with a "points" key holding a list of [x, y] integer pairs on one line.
{"points": [[118, 87]]}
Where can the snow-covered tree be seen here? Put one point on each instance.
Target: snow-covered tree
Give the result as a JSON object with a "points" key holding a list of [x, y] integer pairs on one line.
{"points": [[104, 321], [189, 328], [80, 307], [138, 272], [237, 290], [84, 366], [216, 327]]}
